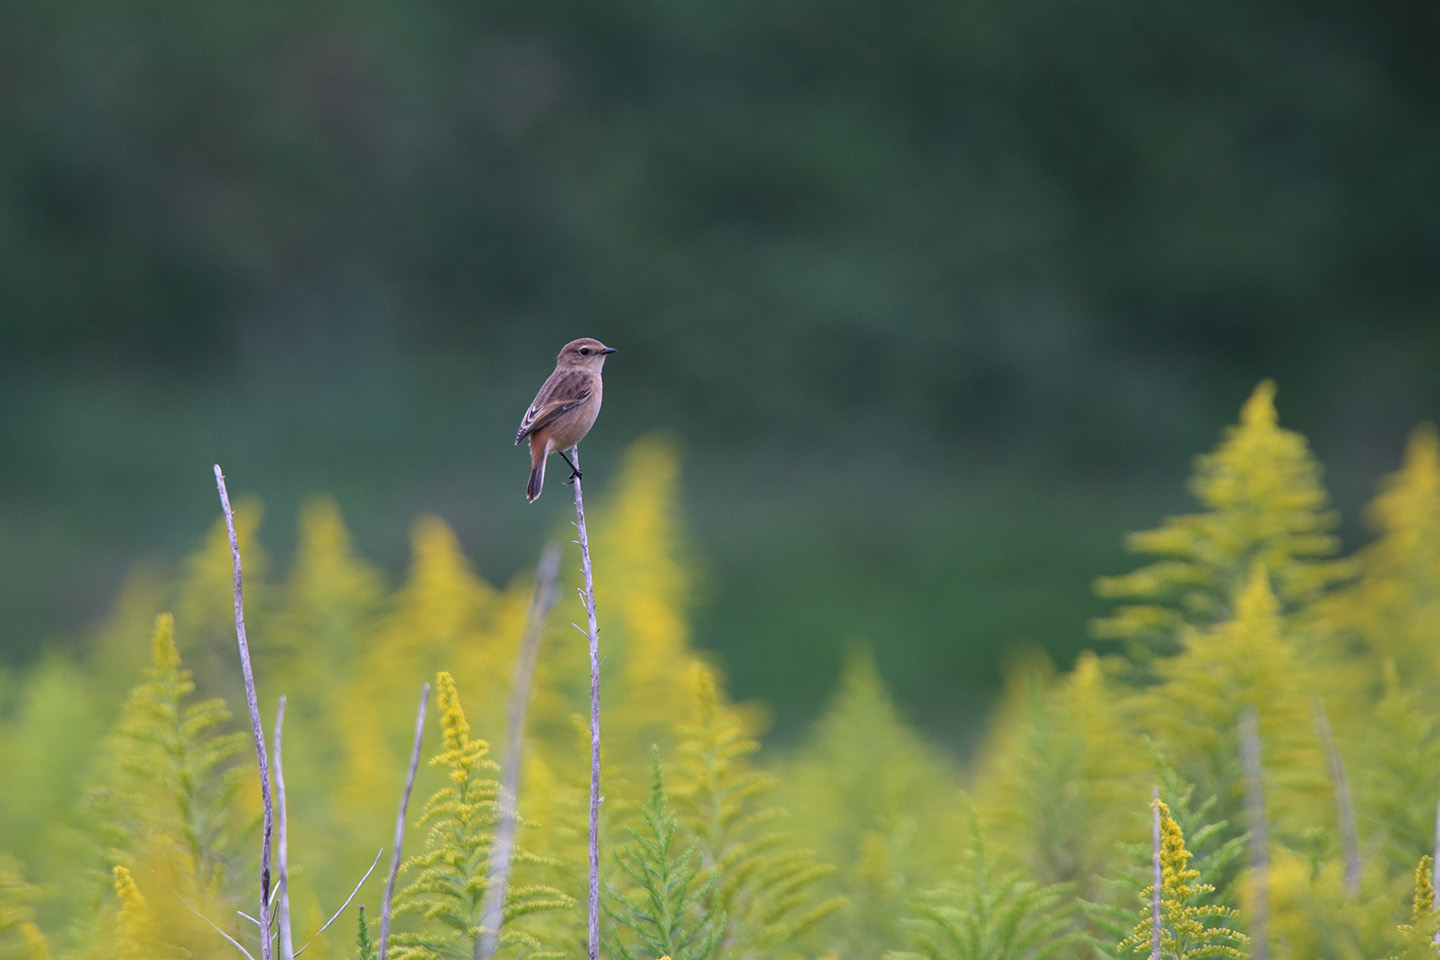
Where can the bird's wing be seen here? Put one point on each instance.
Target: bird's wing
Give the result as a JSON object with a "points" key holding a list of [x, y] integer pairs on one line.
{"points": [[562, 392]]}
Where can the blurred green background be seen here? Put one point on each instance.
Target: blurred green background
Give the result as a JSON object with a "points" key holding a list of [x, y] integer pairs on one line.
{"points": [[938, 298]]}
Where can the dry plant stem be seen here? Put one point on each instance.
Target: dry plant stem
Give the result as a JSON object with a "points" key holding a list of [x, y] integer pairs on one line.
{"points": [[492, 915], [336, 915], [1435, 862], [222, 933], [1344, 804], [1259, 842], [400, 822], [256, 729], [1159, 877], [587, 596], [287, 942]]}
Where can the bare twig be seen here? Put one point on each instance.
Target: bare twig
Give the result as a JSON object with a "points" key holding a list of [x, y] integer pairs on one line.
{"points": [[336, 915], [287, 942], [1155, 893], [492, 915], [1435, 862], [214, 927], [1259, 842], [1344, 805], [257, 730], [400, 822], [587, 596]]}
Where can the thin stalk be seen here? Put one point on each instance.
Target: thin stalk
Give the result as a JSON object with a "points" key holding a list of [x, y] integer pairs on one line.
{"points": [[336, 915], [492, 915], [1159, 877], [1259, 841], [1435, 863], [256, 729], [1344, 804], [587, 596], [287, 942], [400, 822]]}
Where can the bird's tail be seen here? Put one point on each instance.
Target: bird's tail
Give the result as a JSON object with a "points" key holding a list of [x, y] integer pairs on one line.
{"points": [[537, 476]]}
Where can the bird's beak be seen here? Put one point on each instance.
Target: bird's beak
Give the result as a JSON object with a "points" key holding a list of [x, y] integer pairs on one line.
{"points": [[608, 350]]}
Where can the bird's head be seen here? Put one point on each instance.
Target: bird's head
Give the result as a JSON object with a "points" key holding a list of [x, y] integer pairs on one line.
{"points": [[585, 353]]}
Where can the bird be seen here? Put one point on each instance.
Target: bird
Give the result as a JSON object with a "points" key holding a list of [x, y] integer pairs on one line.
{"points": [[564, 410]]}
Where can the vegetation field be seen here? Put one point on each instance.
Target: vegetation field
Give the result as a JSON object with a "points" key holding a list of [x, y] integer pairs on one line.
{"points": [[1261, 730]]}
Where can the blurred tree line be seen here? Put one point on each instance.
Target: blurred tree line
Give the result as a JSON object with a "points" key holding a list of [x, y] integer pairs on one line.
{"points": [[193, 186], [325, 239]]}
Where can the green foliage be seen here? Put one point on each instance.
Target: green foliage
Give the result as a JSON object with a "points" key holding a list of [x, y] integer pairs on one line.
{"points": [[1195, 709], [1264, 505], [20, 938], [855, 844], [1216, 847], [1189, 928], [1062, 757], [1394, 606], [166, 802], [138, 933], [48, 739], [879, 803], [1316, 913], [1419, 936], [364, 946], [1217, 851], [163, 812], [762, 883], [459, 817], [666, 910], [1401, 778], [452, 875], [987, 913]]}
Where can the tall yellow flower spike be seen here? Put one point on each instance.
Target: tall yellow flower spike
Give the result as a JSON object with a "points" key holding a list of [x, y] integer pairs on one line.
{"points": [[443, 616], [36, 946], [643, 589], [164, 656], [1188, 931], [1264, 503], [461, 754], [134, 919], [1419, 935], [1251, 660], [1394, 607], [1060, 737]]}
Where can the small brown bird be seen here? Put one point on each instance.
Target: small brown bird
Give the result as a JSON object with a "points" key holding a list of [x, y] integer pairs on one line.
{"points": [[564, 410]]}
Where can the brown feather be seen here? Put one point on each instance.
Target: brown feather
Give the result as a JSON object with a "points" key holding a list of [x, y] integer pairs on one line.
{"points": [[564, 390]]}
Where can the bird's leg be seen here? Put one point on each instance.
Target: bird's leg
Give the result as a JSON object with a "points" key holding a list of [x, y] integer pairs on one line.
{"points": [[575, 473]]}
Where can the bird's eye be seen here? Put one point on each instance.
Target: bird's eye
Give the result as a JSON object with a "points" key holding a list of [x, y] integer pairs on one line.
{"points": [[584, 351]]}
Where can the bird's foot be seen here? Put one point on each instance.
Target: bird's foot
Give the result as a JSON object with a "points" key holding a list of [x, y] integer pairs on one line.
{"points": [[574, 470]]}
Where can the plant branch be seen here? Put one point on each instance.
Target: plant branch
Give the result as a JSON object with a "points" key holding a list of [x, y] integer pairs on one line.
{"points": [[1259, 842], [287, 942], [1435, 862], [492, 914], [587, 596], [1159, 877], [1344, 804], [256, 729], [336, 915], [400, 822], [214, 927]]}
